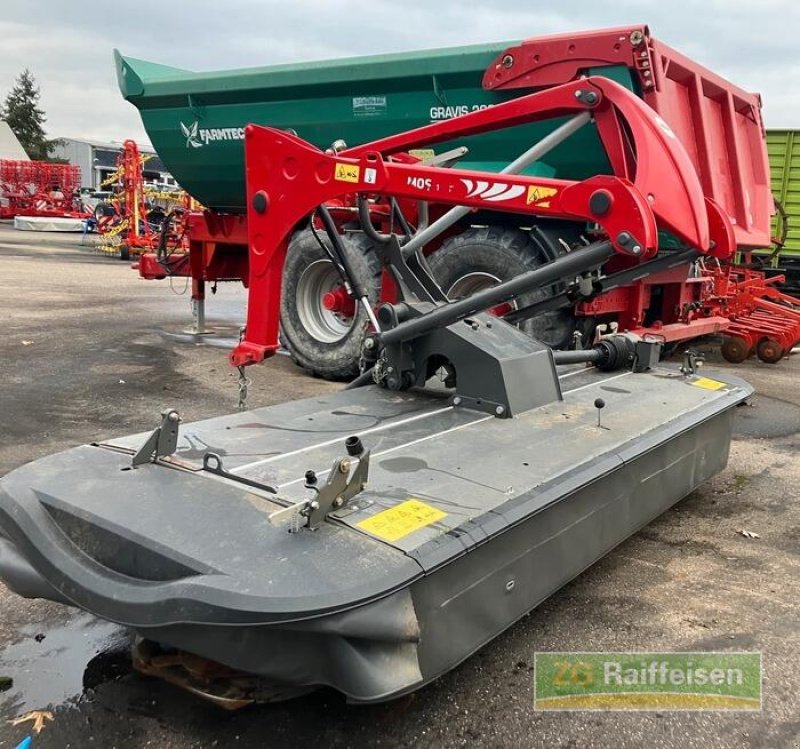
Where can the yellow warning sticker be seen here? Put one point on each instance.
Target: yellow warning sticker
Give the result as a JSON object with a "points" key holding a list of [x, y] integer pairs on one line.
{"points": [[540, 195], [708, 384], [399, 521], [347, 173]]}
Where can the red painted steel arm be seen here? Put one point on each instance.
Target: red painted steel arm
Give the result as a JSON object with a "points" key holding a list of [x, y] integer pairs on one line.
{"points": [[640, 144], [299, 177]]}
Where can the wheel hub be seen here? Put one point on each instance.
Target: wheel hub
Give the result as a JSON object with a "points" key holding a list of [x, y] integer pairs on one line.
{"points": [[324, 307], [735, 349], [769, 351], [339, 301]]}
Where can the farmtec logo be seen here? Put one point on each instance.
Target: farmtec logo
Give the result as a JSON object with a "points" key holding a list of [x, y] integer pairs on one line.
{"points": [[197, 137], [647, 681]]}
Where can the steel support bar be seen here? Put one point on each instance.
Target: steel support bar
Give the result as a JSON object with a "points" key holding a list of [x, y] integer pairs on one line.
{"points": [[650, 268], [681, 331], [534, 153], [568, 265], [609, 283], [198, 308]]}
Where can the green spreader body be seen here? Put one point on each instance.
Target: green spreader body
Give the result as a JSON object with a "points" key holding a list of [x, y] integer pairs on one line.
{"points": [[195, 120]]}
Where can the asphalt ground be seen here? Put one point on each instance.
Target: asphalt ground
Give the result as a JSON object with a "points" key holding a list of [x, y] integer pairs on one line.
{"points": [[87, 350]]}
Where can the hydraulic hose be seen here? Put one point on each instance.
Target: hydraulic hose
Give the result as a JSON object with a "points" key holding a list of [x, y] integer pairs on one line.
{"points": [[356, 288], [340, 253]]}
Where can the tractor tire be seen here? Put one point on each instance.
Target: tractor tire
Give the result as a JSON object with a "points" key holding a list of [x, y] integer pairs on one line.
{"points": [[483, 257], [769, 351], [735, 349], [325, 343], [102, 210], [155, 218]]}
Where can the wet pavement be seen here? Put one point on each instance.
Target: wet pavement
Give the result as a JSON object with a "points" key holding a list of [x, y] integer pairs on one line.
{"points": [[89, 351], [53, 664]]}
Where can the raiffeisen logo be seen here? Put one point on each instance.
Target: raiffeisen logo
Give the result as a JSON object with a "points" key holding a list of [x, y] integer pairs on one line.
{"points": [[197, 137], [647, 681]]}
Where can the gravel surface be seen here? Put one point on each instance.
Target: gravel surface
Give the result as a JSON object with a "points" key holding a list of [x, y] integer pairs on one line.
{"points": [[89, 351]]}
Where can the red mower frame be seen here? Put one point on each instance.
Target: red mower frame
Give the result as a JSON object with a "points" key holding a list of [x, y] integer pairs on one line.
{"points": [[655, 186]]}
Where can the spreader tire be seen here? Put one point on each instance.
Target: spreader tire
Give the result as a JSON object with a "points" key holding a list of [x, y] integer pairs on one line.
{"points": [[325, 343], [483, 257]]}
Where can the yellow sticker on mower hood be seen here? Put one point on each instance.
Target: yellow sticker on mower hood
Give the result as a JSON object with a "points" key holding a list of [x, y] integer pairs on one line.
{"points": [[399, 521], [347, 173], [708, 384]]}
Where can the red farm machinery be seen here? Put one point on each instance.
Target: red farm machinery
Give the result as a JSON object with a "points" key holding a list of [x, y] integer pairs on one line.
{"points": [[591, 179], [139, 218], [491, 162], [38, 188]]}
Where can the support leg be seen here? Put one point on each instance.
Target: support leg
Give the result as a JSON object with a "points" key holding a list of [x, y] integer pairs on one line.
{"points": [[198, 308]]}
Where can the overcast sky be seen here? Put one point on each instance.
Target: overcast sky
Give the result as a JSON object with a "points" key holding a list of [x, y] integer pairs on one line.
{"points": [[68, 45]]}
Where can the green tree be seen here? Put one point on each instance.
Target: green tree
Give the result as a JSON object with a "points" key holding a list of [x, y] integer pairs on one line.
{"points": [[25, 117]]}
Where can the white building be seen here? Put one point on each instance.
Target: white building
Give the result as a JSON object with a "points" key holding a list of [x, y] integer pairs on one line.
{"points": [[10, 147], [98, 160]]}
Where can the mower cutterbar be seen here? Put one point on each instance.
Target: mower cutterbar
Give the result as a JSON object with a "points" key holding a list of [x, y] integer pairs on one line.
{"points": [[363, 539], [443, 550]]}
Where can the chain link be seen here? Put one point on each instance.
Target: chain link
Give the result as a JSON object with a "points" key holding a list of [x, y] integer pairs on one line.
{"points": [[244, 382], [378, 373]]}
